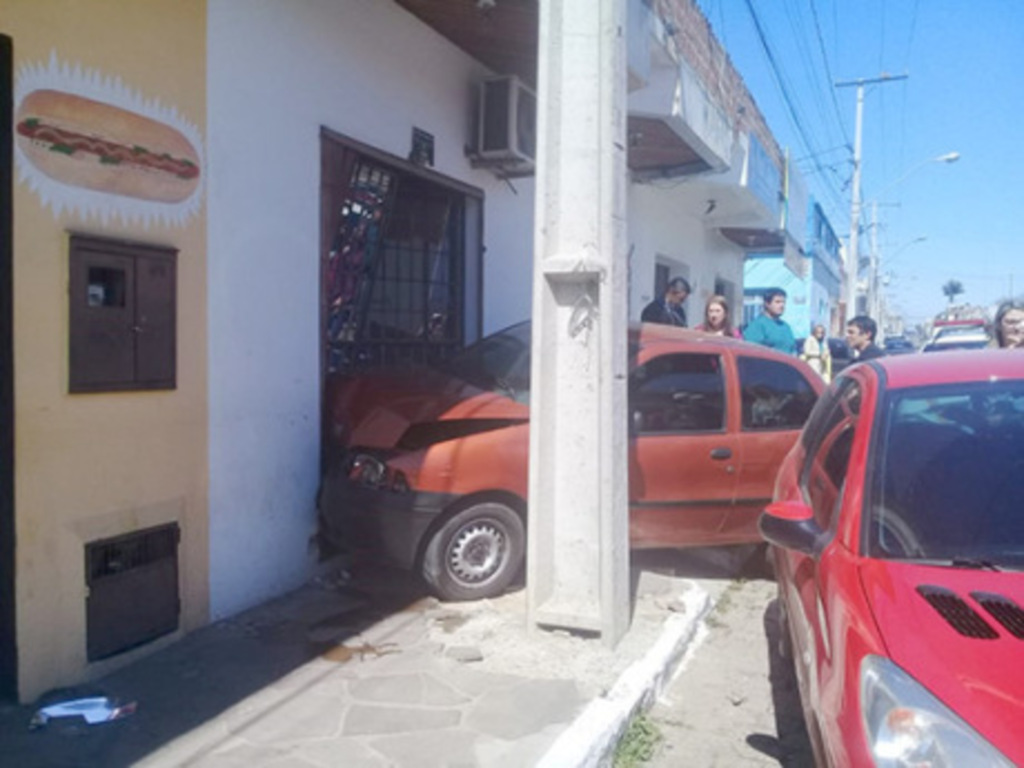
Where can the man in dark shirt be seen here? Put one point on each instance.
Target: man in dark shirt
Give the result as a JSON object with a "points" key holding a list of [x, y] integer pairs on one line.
{"points": [[669, 310], [860, 335]]}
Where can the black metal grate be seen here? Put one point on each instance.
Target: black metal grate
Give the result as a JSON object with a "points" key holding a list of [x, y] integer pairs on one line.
{"points": [[1004, 610], [958, 613], [133, 590], [394, 275], [125, 553]]}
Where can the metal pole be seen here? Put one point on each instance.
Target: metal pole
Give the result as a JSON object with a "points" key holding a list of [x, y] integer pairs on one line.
{"points": [[852, 261], [874, 305]]}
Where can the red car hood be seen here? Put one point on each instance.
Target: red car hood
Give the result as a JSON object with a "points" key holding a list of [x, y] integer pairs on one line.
{"points": [[375, 410], [953, 645]]}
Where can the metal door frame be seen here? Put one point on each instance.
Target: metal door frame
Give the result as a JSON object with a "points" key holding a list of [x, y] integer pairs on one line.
{"points": [[8, 630]]}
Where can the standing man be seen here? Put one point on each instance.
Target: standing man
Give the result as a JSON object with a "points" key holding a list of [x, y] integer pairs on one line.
{"points": [[669, 310], [860, 335], [769, 329]]}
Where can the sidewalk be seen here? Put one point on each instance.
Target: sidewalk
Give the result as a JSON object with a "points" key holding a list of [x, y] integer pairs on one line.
{"points": [[367, 671]]}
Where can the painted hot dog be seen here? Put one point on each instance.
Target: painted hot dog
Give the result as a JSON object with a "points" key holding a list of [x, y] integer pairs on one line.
{"points": [[87, 143]]}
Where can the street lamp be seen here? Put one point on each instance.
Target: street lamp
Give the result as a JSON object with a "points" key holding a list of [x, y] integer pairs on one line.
{"points": [[873, 302]]}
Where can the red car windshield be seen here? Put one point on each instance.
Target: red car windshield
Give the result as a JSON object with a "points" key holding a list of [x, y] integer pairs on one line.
{"points": [[497, 363], [949, 476]]}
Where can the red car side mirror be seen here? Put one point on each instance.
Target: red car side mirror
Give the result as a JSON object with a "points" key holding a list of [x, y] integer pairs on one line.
{"points": [[790, 510], [791, 525]]}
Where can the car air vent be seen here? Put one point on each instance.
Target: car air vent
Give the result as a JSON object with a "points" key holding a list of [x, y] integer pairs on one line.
{"points": [[958, 613], [1004, 610]]}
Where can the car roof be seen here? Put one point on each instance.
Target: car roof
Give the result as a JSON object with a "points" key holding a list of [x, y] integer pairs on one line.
{"points": [[951, 367], [649, 334]]}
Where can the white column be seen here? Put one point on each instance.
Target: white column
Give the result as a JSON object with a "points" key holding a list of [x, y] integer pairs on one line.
{"points": [[578, 549]]}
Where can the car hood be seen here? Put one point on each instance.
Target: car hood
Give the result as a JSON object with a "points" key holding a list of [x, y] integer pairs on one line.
{"points": [[377, 409], [960, 633]]}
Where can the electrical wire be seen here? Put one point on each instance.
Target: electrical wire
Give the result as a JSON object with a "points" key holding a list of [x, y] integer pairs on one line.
{"points": [[780, 80], [828, 73]]}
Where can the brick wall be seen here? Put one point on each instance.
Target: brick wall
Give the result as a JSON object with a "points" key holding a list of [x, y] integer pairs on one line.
{"points": [[696, 44]]}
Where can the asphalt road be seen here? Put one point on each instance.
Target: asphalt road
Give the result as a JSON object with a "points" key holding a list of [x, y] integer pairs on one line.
{"points": [[735, 701]]}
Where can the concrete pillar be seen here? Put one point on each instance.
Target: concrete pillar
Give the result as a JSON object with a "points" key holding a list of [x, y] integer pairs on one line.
{"points": [[578, 549]]}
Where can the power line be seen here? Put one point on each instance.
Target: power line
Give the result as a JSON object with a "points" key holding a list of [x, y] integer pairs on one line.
{"points": [[828, 73], [786, 97]]}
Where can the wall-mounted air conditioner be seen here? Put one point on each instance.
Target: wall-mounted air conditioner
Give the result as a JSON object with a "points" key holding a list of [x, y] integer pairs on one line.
{"points": [[506, 137]]}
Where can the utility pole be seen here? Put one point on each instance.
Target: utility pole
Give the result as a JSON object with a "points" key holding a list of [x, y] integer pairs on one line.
{"points": [[873, 304], [852, 263]]}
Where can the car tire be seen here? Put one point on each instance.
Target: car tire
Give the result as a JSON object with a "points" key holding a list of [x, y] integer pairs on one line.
{"points": [[476, 553]]}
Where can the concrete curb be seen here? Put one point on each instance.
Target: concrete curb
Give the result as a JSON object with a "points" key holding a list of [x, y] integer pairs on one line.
{"points": [[593, 735]]}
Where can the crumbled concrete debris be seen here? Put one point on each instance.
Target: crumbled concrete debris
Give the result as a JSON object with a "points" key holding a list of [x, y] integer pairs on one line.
{"points": [[465, 653]]}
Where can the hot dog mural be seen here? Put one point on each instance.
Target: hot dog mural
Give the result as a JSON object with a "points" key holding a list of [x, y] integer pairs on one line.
{"points": [[87, 142]]}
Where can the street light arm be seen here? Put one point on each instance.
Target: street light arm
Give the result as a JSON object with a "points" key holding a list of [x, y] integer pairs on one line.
{"points": [[949, 157]]}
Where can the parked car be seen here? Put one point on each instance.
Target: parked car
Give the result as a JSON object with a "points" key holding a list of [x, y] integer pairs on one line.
{"points": [[958, 338], [899, 551], [434, 471], [842, 355], [898, 345]]}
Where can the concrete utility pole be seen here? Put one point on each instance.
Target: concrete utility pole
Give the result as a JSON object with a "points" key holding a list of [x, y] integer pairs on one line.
{"points": [[578, 532], [853, 263]]}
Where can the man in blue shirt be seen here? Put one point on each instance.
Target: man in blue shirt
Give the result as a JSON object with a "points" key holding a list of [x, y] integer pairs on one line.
{"points": [[769, 329]]}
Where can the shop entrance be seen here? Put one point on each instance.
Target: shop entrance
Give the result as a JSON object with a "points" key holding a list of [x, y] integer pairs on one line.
{"points": [[400, 267]]}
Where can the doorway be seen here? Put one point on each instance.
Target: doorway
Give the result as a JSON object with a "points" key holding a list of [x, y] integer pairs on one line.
{"points": [[8, 637], [401, 263]]}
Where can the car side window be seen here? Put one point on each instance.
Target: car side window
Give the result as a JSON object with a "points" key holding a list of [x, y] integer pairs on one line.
{"points": [[775, 395], [828, 456], [678, 393]]}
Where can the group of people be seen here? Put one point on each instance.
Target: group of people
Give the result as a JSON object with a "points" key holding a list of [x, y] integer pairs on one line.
{"points": [[770, 330]]}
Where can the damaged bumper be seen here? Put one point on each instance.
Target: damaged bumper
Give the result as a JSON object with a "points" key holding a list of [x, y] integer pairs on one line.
{"points": [[355, 515]]}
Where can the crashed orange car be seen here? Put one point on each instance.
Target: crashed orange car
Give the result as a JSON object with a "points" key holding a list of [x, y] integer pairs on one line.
{"points": [[430, 467]]}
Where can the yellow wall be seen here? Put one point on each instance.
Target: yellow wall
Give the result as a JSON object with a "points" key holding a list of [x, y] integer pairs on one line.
{"points": [[97, 465]]}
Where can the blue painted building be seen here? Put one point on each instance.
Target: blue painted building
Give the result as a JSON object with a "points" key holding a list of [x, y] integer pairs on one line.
{"points": [[813, 296]]}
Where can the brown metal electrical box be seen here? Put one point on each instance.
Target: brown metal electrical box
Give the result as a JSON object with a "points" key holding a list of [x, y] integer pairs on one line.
{"points": [[133, 590], [122, 314]]}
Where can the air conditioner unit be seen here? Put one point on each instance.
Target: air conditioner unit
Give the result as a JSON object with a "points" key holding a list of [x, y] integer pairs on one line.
{"points": [[506, 126]]}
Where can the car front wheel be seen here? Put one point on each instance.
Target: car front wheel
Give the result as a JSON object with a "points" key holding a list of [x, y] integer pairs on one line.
{"points": [[476, 553]]}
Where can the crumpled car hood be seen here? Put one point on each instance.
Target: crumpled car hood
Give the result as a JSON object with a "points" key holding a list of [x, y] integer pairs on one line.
{"points": [[377, 409], [953, 630]]}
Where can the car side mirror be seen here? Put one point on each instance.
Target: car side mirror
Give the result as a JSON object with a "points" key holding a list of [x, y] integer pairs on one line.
{"points": [[791, 525]]}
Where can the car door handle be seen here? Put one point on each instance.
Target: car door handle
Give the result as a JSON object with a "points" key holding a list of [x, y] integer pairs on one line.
{"points": [[721, 454]]}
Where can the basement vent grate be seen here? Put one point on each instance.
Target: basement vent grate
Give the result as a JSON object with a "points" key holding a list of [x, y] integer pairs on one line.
{"points": [[132, 590], [958, 613]]}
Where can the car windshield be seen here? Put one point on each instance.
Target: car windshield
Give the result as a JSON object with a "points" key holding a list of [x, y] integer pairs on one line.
{"points": [[949, 476], [498, 363]]}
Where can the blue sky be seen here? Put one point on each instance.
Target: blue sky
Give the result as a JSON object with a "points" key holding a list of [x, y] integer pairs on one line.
{"points": [[964, 93]]}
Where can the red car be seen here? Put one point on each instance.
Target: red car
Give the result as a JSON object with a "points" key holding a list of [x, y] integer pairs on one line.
{"points": [[434, 471], [898, 526]]}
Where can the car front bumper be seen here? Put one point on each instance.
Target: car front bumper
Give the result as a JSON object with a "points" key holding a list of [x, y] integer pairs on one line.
{"points": [[355, 517]]}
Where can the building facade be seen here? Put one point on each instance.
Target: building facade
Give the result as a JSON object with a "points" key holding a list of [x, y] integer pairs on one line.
{"points": [[282, 191]]}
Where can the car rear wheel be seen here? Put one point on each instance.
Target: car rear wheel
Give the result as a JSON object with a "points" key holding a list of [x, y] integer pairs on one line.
{"points": [[476, 553]]}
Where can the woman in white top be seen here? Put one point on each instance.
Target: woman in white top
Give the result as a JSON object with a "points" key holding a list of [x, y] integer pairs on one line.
{"points": [[817, 354]]}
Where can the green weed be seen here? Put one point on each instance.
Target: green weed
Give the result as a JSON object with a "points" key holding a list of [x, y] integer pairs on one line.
{"points": [[638, 743]]}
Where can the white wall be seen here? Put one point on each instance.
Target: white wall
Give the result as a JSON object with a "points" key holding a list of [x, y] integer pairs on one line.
{"points": [[665, 219], [278, 71]]}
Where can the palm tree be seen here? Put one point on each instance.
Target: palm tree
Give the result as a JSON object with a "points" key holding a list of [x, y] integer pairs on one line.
{"points": [[952, 289]]}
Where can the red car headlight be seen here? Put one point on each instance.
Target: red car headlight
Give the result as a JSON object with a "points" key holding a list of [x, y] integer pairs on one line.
{"points": [[907, 726]]}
